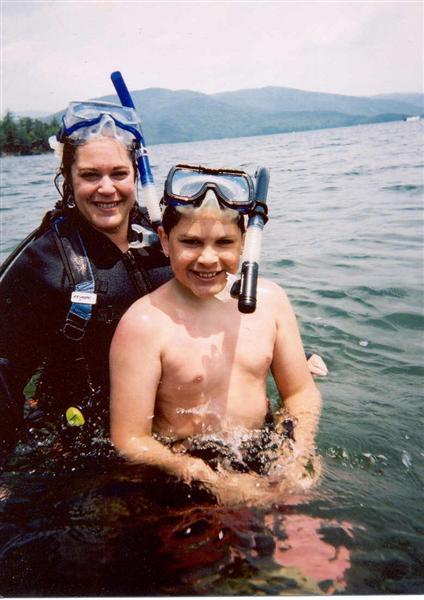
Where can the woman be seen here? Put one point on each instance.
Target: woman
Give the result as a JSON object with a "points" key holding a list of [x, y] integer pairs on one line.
{"points": [[67, 285], [65, 288]]}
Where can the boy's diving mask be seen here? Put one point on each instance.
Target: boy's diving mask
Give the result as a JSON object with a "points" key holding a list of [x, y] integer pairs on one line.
{"points": [[188, 185], [85, 120]]}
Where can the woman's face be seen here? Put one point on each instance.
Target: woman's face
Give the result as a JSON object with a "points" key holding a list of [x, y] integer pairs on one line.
{"points": [[103, 184]]}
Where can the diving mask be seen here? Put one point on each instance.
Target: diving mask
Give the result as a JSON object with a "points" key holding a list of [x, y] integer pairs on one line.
{"points": [[188, 185], [86, 120]]}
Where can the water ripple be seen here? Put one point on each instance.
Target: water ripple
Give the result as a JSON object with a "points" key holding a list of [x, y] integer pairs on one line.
{"points": [[418, 189]]}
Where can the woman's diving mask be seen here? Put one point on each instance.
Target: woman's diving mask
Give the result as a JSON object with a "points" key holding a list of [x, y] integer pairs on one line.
{"points": [[86, 120]]}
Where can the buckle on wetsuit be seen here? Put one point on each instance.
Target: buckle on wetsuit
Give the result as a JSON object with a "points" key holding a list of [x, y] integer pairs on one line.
{"points": [[74, 328]]}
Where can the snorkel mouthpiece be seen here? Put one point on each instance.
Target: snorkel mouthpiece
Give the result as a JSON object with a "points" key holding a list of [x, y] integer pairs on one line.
{"points": [[247, 287]]}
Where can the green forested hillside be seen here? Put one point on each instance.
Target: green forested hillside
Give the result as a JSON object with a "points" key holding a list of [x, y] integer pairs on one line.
{"points": [[25, 135]]}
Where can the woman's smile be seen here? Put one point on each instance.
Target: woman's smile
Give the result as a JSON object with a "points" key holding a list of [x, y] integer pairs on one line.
{"points": [[103, 181]]}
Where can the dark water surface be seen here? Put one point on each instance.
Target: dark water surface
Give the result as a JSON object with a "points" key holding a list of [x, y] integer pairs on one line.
{"points": [[345, 239]]}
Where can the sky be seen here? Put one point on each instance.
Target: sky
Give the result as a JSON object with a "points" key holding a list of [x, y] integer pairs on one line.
{"points": [[55, 52]]}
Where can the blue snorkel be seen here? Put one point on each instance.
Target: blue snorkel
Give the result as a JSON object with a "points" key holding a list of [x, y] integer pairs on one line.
{"points": [[245, 288], [149, 193]]}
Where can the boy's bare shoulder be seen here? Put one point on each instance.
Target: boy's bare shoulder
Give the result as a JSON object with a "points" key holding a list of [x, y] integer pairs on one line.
{"points": [[273, 303], [269, 291], [145, 314]]}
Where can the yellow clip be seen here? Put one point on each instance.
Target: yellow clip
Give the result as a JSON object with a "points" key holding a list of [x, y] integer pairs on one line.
{"points": [[74, 417]]}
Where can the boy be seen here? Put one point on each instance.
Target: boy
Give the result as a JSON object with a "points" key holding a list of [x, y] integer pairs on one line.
{"points": [[186, 363]]}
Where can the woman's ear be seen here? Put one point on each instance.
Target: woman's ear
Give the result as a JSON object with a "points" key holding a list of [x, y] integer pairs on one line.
{"points": [[164, 240]]}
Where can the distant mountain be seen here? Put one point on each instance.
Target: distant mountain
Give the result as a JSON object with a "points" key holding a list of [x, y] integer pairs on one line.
{"points": [[182, 115], [414, 99], [278, 99]]}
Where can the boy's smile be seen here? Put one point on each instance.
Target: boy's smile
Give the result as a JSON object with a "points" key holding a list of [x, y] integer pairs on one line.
{"points": [[202, 250]]}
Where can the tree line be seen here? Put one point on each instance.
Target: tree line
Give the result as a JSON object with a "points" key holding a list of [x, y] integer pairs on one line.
{"points": [[25, 135]]}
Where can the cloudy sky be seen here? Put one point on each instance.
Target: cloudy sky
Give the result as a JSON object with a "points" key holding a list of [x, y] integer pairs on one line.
{"points": [[54, 52]]}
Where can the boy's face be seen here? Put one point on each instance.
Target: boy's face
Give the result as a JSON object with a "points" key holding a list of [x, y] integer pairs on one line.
{"points": [[202, 250]]}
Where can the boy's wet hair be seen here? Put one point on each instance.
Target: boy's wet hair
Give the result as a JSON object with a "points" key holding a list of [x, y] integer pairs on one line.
{"points": [[172, 216]]}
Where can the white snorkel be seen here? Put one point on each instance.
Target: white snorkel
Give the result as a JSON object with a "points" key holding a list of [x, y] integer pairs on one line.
{"points": [[245, 288]]}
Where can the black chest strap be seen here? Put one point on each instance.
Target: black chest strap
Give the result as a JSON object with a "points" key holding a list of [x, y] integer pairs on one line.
{"points": [[80, 273]]}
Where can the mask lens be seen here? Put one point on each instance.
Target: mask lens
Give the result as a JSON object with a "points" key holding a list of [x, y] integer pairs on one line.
{"points": [[186, 184], [89, 111], [234, 188]]}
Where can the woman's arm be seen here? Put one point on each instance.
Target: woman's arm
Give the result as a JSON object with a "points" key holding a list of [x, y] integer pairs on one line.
{"points": [[29, 291]]}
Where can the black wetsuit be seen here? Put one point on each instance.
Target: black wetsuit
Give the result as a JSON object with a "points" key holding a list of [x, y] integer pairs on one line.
{"points": [[255, 450], [34, 303]]}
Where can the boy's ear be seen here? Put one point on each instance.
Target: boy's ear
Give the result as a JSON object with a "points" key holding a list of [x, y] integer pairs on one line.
{"points": [[164, 240]]}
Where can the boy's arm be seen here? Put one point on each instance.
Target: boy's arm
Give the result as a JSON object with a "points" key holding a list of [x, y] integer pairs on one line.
{"points": [[291, 373], [135, 371]]}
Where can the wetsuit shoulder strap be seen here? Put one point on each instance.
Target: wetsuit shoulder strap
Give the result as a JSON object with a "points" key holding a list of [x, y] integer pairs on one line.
{"points": [[80, 273]]}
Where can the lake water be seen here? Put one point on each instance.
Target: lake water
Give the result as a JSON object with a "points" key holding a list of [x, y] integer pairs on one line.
{"points": [[345, 239]]}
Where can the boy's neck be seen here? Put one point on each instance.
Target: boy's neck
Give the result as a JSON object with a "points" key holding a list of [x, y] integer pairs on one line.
{"points": [[198, 302]]}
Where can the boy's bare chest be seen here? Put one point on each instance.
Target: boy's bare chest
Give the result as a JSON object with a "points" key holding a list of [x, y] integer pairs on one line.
{"points": [[203, 354], [214, 374]]}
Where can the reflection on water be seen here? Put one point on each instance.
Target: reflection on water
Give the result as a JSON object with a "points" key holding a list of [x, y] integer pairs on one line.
{"points": [[106, 528]]}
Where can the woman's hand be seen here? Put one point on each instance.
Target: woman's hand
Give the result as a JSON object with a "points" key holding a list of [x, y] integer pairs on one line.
{"points": [[317, 366]]}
